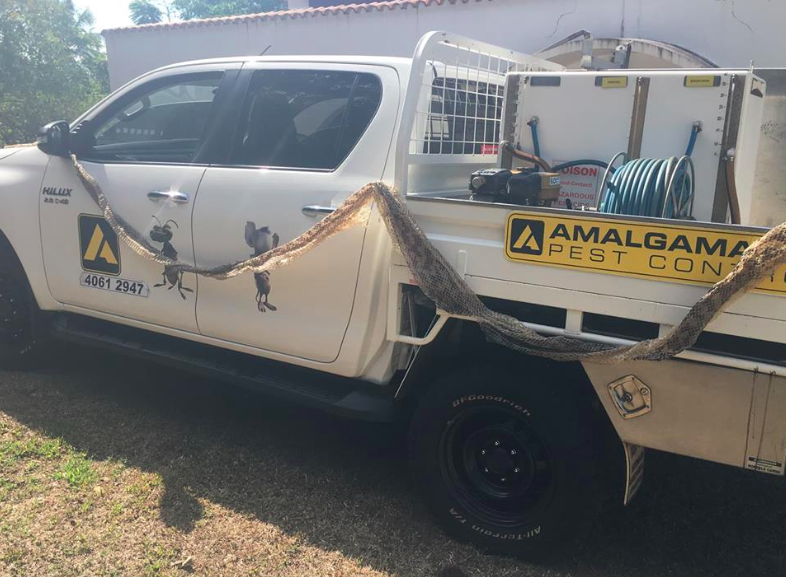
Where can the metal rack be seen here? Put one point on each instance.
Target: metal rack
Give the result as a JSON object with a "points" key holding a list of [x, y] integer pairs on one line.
{"points": [[453, 106]]}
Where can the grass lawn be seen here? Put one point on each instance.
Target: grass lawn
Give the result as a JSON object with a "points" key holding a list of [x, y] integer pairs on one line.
{"points": [[110, 466]]}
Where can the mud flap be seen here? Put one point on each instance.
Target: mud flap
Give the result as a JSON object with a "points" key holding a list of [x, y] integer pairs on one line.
{"points": [[634, 470]]}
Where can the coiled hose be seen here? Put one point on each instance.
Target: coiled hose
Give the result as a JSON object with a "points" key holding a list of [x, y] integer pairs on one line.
{"points": [[661, 187]]}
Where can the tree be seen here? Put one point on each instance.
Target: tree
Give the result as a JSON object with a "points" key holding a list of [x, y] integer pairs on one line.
{"points": [[145, 12], [189, 9], [52, 67], [153, 11]]}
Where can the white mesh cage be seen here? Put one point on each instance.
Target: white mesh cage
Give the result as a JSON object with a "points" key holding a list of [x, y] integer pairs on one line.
{"points": [[454, 100]]}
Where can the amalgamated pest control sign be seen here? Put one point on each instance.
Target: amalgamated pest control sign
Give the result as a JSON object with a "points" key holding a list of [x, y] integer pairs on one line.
{"points": [[98, 245], [668, 252]]}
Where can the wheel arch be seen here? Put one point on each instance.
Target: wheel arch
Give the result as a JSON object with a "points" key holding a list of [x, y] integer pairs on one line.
{"points": [[462, 343], [7, 247], [40, 292]]}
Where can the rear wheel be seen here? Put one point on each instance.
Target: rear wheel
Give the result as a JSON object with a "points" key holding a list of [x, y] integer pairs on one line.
{"points": [[17, 311], [509, 462]]}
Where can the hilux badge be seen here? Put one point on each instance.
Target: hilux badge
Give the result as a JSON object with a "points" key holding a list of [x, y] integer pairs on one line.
{"points": [[52, 191]]}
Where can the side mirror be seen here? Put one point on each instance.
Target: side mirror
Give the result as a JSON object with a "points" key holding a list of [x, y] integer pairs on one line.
{"points": [[54, 139]]}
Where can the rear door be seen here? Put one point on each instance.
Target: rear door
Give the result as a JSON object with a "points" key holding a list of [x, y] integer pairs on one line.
{"points": [[148, 149], [307, 136]]}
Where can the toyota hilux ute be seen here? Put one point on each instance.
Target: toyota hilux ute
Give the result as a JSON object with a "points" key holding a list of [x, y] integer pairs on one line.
{"points": [[217, 161]]}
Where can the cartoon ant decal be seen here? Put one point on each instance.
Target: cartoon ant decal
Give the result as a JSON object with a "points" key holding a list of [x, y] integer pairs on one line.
{"points": [[163, 234], [261, 240]]}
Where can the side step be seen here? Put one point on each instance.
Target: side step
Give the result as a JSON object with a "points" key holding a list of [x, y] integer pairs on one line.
{"points": [[340, 395]]}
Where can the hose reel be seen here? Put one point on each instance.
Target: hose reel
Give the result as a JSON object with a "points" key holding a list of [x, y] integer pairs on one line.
{"points": [[655, 187], [658, 187]]}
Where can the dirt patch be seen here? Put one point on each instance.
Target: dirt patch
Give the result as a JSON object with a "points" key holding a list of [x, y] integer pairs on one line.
{"points": [[114, 467]]}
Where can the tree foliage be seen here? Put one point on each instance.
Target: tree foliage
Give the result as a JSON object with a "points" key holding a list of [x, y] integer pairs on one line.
{"points": [[151, 11], [189, 9], [51, 66], [145, 12]]}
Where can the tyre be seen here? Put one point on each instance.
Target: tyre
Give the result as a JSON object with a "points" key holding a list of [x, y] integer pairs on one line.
{"points": [[17, 312], [509, 462]]}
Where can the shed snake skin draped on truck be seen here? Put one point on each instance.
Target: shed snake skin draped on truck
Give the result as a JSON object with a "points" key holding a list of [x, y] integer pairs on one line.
{"points": [[442, 284]]}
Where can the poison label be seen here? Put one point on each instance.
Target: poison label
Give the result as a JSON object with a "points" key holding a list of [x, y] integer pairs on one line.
{"points": [[579, 184]]}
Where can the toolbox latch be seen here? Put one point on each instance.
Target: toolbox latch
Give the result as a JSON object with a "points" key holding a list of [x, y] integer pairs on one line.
{"points": [[631, 397]]}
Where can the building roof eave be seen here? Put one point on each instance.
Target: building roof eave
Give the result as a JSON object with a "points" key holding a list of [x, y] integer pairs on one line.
{"points": [[378, 6]]}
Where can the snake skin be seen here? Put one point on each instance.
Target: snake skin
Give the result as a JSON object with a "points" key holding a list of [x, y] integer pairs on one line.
{"points": [[440, 282]]}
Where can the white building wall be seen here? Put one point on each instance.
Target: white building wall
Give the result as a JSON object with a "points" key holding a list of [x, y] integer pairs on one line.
{"points": [[729, 32]]}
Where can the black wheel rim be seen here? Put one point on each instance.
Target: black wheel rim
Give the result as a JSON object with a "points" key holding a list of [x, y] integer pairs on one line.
{"points": [[14, 312], [496, 466]]}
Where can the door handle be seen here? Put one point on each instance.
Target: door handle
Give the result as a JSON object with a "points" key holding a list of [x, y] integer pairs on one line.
{"points": [[315, 211], [173, 195]]}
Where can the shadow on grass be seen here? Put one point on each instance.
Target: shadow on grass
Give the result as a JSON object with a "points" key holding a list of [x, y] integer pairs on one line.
{"points": [[343, 486]]}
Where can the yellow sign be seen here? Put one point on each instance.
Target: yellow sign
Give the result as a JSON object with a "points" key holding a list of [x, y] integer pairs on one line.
{"points": [[614, 82], [526, 240], [99, 247], [667, 252], [98, 244], [701, 81]]}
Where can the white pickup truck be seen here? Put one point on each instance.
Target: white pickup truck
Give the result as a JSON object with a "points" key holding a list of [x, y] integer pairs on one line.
{"points": [[218, 160]]}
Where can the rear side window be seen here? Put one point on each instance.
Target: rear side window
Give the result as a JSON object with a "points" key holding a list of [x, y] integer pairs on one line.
{"points": [[304, 118], [163, 123]]}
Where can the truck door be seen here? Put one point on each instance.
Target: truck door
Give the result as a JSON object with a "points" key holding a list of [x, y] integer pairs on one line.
{"points": [[143, 147], [307, 136]]}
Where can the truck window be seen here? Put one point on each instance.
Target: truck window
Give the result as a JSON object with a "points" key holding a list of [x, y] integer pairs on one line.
{"points": [[464, 117], [304, 118], [165, 123]]}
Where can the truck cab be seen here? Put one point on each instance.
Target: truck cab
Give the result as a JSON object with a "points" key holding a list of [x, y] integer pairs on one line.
{"points": [[271, 145]]}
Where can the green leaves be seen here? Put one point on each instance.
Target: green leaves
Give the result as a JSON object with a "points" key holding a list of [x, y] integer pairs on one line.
{"points": [[189, 9], [53, 68], [145, 12], [153, 11]]}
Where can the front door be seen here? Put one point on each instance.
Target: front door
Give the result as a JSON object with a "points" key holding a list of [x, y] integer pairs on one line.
{"points": [[143, 149], [307, 136]]}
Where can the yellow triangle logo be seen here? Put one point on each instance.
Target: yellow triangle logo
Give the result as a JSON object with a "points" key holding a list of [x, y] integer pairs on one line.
{"points": [[526, 240], [99, 248]]}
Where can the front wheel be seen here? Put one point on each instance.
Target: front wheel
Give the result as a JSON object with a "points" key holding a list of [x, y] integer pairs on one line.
{"points": [[508, 462]]}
